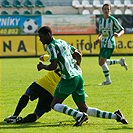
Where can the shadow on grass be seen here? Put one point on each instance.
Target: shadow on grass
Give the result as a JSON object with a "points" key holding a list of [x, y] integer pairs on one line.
{"points": [[121, 128], [68, 123], [4, 125], [91, 85]]}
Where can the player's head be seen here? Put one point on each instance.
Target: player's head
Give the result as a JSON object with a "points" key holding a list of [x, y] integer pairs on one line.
{"points": [[45, 34], [106, 9]]}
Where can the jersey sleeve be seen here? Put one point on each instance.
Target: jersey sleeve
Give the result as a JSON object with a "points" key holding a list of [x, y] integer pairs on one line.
{"points": [[99, 26], [52, 52], [72, 49], [117, 26]]}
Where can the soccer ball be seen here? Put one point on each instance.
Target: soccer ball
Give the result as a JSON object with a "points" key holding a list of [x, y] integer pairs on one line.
{"points": [[30, 26]]}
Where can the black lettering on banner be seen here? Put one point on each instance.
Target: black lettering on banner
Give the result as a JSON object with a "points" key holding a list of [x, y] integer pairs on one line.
{"points": [[95, 45], [9, 31], [7, 46], [21, 46], [71, 44], [119, 45], [80, 44], [130, 44], [88, 46]]}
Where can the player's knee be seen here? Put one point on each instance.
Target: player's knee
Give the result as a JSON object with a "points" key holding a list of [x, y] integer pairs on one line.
{"points": [[40, 112], [26, 95], [83, 108], [28, 92], [101, 63], [37, 117], [29, 118]]}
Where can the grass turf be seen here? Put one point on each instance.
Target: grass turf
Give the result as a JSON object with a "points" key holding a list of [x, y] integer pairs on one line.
{"points": [[16, 74]]}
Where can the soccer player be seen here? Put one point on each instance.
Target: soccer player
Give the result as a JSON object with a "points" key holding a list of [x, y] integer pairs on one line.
{"points": [[71, 81], [109, 28], [41, 89]]}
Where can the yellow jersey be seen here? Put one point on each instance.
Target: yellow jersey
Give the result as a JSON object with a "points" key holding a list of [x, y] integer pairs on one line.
{"points": [[50, 80]]}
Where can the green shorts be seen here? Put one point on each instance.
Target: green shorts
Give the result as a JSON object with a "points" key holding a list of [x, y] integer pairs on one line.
{"points": [[106, 52], [74, 86]]}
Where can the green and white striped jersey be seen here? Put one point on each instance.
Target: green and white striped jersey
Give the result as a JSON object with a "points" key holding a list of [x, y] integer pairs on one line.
{"points": [[62, 52], [107, 27]]}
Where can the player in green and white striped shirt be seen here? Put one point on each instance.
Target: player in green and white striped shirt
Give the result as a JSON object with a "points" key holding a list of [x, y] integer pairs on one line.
{"points": [[67, 64], [109, 28], [71, 81]]}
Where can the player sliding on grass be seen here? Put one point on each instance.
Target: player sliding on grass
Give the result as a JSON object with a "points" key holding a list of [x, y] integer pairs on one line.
{"points": [[43, 90], [71, 80], [109, 28]]}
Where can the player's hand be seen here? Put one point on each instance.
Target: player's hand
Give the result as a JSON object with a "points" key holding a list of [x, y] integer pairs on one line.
{"points": [[44, 58], [40, 66], [97, 41], [41, 58], [116, 34]]}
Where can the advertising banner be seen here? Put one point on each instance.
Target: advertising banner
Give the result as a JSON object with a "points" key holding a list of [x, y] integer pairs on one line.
{"points": [[30, 24], [17, 46], [10, 25], [31, 46], [85, 43], [81, 42], [60, 24], [70, 24], [14, 25], [124, 44]]}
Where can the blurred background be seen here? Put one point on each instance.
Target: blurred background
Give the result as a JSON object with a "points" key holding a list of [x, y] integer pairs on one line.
{"points": [[75, 21]]}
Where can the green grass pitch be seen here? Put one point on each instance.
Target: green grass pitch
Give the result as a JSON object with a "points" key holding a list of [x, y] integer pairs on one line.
{"points": [[16, 74]]}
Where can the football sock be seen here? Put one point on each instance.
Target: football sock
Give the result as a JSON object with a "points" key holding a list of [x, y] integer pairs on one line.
{"points": [[28, 118], [112, 62], [66, 110], [106, 71], [101, 114], [21, 104]]}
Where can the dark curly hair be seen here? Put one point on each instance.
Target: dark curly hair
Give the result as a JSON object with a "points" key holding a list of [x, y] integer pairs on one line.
{"points": [[45, 30]]}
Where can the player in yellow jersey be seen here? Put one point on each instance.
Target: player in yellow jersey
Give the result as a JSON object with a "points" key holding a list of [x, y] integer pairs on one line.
{"points": [[41, 89]]}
